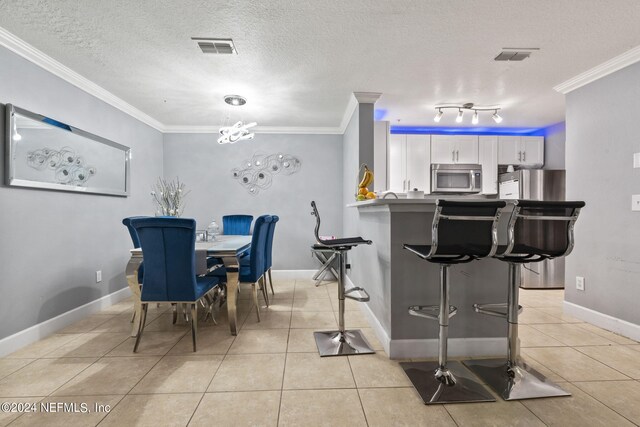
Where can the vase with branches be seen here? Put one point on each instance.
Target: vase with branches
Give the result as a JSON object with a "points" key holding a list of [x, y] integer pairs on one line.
{"points": [[168, 197]]}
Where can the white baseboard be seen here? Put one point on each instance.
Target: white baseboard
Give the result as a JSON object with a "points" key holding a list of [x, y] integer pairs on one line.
{"points": [[610, 323], [41, 330], [428, 347]]}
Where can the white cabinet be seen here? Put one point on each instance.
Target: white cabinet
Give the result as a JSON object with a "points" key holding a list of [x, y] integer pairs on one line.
{"points": [[521, 150], [451, 149], [488, 156], [409, 163]]}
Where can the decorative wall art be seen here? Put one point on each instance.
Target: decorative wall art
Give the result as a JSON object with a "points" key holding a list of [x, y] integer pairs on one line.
{"points": [[258, 173], [44, 153], [65, 164]]}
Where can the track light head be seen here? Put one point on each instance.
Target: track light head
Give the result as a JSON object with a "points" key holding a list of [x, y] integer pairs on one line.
{"points": [[496, 117], [438, 116], [459, 117], [474, 119]]}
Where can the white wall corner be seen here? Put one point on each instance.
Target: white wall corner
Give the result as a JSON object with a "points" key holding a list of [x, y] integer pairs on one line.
{"points": [[604, 321], [599, 71]]}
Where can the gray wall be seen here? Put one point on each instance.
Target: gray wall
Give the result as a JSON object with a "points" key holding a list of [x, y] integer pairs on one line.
{"points": [[205, 167], [52, 243], [554, 146], [602, 135]]}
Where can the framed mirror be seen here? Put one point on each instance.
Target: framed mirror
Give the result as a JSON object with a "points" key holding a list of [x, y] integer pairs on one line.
{"points": [[44, 153]]}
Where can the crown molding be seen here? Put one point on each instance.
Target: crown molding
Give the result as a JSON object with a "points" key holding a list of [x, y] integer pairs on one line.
{"points": [[49, 64], [611, 66], [42, 60], [257, 129], [367, 97]]}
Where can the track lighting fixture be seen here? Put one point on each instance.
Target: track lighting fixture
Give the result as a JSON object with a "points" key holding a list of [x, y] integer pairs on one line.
{"points": [[475, 119]]}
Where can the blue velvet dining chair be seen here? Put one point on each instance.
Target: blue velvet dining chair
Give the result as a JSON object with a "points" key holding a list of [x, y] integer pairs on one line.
{"points": [[268, 261], [239, 225], [252, 267], [168, 247], [136, 241]]}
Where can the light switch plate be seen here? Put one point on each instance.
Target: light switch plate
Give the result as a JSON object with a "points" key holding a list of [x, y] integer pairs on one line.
{"points": [[580, 283], [98, 276], [636, 160], [635, 202]]}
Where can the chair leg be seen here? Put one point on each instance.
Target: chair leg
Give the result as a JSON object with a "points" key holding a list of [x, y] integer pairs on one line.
{"points": [[270, 281], [143, 319], [194, 324], [341, 342], [174, 309], [512, 378], [255, 299], [263, 287], [445, 382]]}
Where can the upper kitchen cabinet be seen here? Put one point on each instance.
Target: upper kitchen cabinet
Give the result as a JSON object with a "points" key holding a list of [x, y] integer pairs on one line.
{"points": [[452, 149], [488, 153], [521, 150], [409, 163]]}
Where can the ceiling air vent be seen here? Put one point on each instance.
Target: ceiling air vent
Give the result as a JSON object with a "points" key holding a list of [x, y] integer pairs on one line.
{"points": [[215, 46], [515, 54]]}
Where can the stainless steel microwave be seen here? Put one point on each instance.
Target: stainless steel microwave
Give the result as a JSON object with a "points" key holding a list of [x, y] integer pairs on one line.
{"points": [[458, 178]]}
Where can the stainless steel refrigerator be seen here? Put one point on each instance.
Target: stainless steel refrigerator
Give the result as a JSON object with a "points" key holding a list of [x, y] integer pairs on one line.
{"points": [[537, 184]]}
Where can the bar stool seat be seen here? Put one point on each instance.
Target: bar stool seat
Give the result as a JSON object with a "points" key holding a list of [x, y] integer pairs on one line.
{"points": [[537, 230], [461, 232], [341, 342]]}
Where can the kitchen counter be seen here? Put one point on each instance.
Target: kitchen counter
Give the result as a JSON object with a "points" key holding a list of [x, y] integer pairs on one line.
{"points": [[396, 279]]}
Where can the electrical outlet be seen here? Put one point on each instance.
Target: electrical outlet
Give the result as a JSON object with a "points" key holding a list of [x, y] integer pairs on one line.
{"points": [[635, 202], [580, 283], [98, 276]]}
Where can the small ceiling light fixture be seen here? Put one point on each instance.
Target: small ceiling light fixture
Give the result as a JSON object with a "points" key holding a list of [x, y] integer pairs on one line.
{"points": [[235, 100], [471, 107], [239, 131], [459, 118]]}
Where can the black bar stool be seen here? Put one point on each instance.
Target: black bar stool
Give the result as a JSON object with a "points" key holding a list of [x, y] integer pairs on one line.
{"points": [[461, 232], [341, 342], [538, 230]]}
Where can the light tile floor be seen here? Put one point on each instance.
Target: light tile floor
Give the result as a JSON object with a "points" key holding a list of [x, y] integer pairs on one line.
{"points": [[271, 374]]}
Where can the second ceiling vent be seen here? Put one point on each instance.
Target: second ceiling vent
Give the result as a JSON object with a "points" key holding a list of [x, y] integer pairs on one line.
{"points": [[215, 46]]}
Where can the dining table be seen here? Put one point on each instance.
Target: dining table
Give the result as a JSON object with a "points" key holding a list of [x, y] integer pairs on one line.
{"points": [[229, 248]]}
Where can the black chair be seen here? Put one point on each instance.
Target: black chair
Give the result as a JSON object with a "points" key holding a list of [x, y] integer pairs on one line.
{"points": [[341, 342], [537, 230], [461, 232]]}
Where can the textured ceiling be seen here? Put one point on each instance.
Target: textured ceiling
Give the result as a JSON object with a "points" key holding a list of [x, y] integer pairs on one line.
{"points": [[299, 61]]}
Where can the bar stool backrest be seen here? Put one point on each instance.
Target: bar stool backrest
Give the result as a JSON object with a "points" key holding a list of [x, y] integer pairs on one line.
{"points": [[542, 229], [465, 228]]}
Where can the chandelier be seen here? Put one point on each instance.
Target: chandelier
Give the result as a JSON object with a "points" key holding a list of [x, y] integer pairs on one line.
{"points": [[230, 134], [469, 106], [238, 132]]}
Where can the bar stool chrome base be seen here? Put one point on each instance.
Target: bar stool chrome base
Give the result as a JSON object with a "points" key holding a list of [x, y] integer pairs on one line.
{"points": [[336, 343], [455, 384], [514, 383]]}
